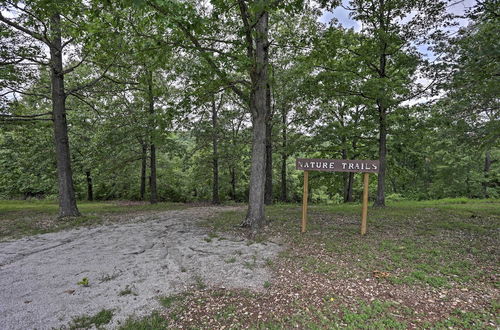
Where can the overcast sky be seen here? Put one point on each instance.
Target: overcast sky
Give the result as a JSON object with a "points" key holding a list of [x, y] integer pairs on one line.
{"points": [[458, 7]]}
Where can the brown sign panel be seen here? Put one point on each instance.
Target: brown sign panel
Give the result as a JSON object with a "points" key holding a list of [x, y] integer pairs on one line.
{"points": [[337, 165]]}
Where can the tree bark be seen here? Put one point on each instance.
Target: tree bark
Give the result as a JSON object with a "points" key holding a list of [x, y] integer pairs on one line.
{"points": [[255, 215], [268, 197], [284, 193], [284, 157], [233, 183], [348, 183], [90, 193], [144, 164], [382, 114], [152, 179], [67, 200], [215, 183], [382, 152], [259, 77], [487, 167], [348, 178]]}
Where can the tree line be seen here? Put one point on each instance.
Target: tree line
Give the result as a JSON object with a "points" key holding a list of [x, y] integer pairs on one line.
{"points": [[214, 100]]}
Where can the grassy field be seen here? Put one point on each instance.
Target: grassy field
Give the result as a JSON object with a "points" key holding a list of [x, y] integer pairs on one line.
{"points": [[21, 218], [430, 264]]}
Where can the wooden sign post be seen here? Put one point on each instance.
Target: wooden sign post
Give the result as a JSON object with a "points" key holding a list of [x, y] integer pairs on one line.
{"points": [[337, 165]]}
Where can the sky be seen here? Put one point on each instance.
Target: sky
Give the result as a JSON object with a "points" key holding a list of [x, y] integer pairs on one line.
{"points": [[458, 7]]}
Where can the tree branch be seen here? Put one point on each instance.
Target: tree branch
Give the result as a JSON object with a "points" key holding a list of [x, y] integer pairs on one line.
{"points": [[91, 83], [25, 116], [24, 30], [222, 75]]}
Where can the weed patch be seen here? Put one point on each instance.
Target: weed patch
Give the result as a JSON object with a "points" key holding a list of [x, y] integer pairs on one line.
{"points": [[97, 320]]}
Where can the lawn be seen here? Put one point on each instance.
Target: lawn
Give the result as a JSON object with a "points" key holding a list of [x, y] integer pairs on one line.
{"points": [[429, 264], [20, 218]]}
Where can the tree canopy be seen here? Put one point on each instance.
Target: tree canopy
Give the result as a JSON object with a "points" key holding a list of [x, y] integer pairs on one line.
{"points": [[213, 100]]}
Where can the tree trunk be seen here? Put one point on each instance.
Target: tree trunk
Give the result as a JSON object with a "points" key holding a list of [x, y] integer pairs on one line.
{"points": [[348, 177], [233, 183], [152, 179], [284, 157], [382, 117], [284, 193], [255, 216], [487, 167], [90, 193], [345, 175], [215, 183], [382, 151], [67, 200], [144, 165], [350, 184], [268, 198]]}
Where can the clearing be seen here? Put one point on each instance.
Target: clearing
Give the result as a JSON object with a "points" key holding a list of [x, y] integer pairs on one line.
{"points": [[127, 266], [431, 264]]}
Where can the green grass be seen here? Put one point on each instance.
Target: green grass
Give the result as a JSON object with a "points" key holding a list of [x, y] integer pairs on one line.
{"points": [[22, 218], [153, 322], [87, 322], [374, 315], [431, 243], [224, 221], [51, 207], [127, 291], [169, 301], [199, 283], [462, 320]]}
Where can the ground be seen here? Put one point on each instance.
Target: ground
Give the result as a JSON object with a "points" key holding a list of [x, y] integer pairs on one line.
{"points": [[422, 265], [50, 279]]}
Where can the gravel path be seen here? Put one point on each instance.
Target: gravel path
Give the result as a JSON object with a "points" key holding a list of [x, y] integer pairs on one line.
{"points": [[153, 256]]}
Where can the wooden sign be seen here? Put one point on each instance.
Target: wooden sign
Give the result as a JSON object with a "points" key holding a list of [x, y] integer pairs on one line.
{"points": [[337, 165]]}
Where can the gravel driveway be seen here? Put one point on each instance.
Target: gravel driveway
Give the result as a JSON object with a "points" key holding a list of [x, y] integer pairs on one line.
{"points": [[128, 266]]}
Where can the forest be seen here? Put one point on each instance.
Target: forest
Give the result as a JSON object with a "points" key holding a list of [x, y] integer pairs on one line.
{"points": [[212, 101], [154, 154]]}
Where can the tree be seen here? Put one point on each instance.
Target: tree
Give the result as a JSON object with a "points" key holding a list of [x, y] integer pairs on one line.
{"points": [[471, 90], [391, 29], [253, 24], [48, 30]]}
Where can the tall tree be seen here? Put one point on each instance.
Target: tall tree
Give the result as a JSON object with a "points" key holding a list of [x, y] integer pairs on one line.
{"points": [[471, 89], [253, 24], [48, 30], [391, 29]]}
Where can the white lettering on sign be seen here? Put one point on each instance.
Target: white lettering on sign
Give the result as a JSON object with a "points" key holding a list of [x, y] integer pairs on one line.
{"points": [[336, 165]]}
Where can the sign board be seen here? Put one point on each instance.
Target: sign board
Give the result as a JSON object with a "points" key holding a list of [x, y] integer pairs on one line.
{"points": [[337, 165]]}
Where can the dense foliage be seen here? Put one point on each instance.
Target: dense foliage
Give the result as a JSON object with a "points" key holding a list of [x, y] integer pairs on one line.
{"points": [[169, 84]]}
